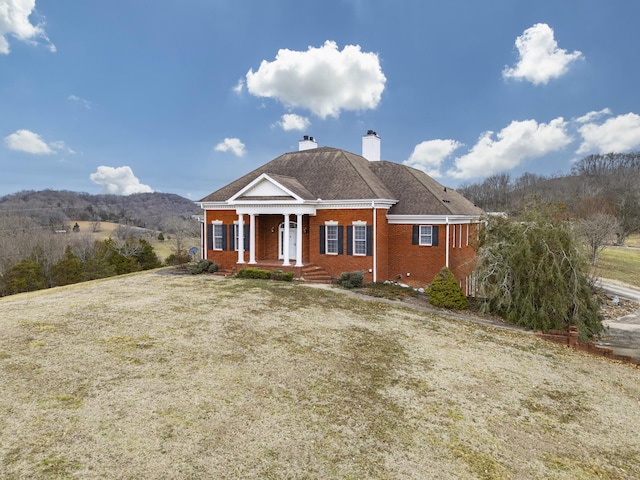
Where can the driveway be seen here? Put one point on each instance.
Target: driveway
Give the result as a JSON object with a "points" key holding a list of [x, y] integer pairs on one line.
{"points": [[623, 333]]}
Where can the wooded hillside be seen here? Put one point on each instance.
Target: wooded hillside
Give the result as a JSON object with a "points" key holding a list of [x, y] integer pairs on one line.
{"points": [[59, 207], [605, 185]]}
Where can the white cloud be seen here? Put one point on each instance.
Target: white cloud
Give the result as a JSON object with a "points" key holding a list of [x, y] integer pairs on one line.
{"points": [[428, 156], [291, 121], [519, 141], [588, 117], [323, 80], [14, 21], [27, 141], [617, 134], [118, 181], [239, 87], [85, 103], [30, 142], [540, 58], [231, 144]]}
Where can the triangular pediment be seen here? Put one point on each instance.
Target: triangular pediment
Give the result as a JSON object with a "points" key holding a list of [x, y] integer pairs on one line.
{"points": [[265, 188]]}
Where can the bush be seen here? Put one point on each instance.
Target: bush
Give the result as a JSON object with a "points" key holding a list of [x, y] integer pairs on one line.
{"points": [[203, 266], [255, 273], [351, 280], [177, 259], [282, 276], [445, 292]]}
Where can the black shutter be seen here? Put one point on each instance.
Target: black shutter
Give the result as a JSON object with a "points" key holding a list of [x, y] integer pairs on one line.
{"points": [[209, 236], [434, 235], [340, 240], [224, 238], [369, 240], [349, 240], [322, 240], [246, 237], [415, 237], [232, 238]]}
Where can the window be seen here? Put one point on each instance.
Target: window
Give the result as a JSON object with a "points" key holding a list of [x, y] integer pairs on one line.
{"points": [[235, 236], [426, 235], [332, 239], [218, 236], [359, 239]]}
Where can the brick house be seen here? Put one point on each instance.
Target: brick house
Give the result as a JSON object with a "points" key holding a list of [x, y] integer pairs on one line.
{"points": [[324, 211]]}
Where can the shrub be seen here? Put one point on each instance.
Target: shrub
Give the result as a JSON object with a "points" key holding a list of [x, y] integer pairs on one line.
{"points": [[351, 279], [280, 275], [445, 292], [177, 259], [255, 273], [203, 266]]}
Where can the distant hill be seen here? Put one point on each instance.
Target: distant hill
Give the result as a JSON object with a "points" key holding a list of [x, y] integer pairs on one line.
{"points": [[55, 207]]}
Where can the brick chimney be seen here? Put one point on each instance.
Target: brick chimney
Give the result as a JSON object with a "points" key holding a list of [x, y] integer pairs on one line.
{"points": [[371, 146], [307, 143]]}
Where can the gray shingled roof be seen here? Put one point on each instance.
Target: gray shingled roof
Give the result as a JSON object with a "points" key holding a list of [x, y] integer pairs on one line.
{"points": [[333, 174]]}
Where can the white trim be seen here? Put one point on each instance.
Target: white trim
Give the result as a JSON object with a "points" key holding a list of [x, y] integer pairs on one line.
{"points": [[375, 243], [360, 224], [431, 219], [260, 179], [331, 223]]}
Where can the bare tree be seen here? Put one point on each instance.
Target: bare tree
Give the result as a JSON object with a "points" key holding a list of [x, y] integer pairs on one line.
{"points": [[597, 230]]}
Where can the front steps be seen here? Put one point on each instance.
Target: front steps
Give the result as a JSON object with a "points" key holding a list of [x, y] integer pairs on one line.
{"points": [[315, 274]]}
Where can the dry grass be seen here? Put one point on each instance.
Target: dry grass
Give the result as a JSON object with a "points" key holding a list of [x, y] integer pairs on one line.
{"points": [[160, 376]]}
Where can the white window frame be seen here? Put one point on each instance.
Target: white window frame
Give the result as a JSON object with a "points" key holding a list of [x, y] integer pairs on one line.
{"points": [[361, 242], [235, 236], [333, 228], [422, 233], [218, 227]]}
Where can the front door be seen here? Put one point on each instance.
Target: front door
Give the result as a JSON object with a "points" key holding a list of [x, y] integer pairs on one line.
{"points": [[293, 230]]}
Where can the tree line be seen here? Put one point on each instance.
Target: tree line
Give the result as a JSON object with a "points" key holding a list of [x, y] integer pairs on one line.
{"points": [[601, 195]]}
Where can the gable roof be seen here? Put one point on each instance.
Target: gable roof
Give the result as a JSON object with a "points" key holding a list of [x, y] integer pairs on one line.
{"points": [[332, 174]]}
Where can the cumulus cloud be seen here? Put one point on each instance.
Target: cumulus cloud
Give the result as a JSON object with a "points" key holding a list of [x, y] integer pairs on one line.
{"points": [[617, 134], [323, 80], [291, 121], [30, 142], [118, 181], [428, 156], [540, 58], [233, 145], [519, 141], [14, 21]]}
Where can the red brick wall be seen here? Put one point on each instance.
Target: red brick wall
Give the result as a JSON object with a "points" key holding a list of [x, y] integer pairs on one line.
{"points": [[396, 255], [422, 263], [335, 265]]}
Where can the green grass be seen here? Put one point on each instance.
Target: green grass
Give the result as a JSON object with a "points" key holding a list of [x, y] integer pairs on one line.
{"points": [[621, 264]]}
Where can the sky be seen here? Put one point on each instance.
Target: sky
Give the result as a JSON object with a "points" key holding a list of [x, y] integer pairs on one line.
{"points": [[184, 97]]}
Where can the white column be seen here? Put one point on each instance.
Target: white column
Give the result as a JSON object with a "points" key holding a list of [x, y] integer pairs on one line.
{"points": [[447, 242], [299, 240], [285, 240], [252, 238], [240, 238]]}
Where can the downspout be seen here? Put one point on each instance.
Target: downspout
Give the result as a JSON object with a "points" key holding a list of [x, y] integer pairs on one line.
{"points": [[446, 262], [375, 242]]}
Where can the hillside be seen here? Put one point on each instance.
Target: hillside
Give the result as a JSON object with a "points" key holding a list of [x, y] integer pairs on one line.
{"points": [[156, 375], [56, 207]]}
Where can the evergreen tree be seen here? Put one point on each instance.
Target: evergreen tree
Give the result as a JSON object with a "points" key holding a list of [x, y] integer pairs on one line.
{"points": [[68, 270], [532, 272]]}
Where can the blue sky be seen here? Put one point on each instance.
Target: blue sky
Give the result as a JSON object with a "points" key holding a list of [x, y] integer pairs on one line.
{"points": [[183, 97]]}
